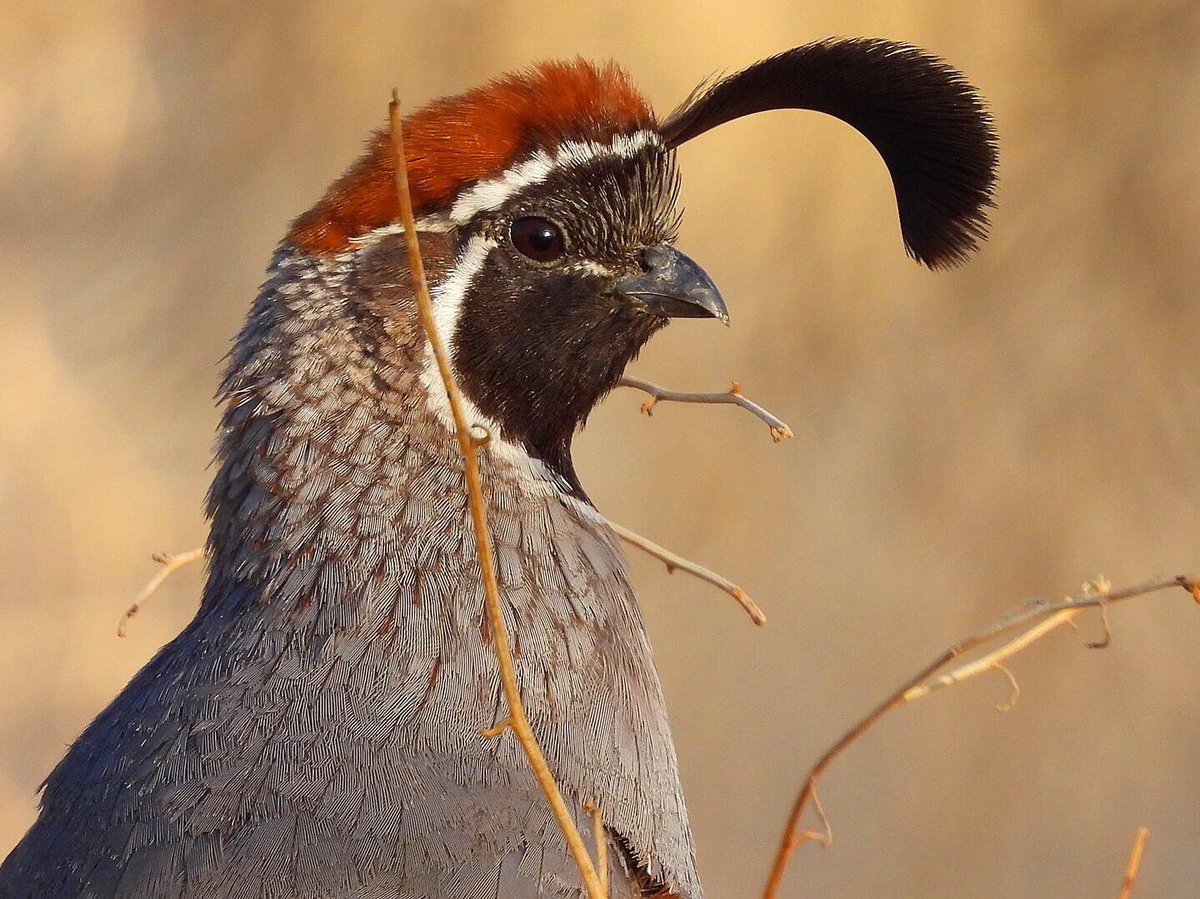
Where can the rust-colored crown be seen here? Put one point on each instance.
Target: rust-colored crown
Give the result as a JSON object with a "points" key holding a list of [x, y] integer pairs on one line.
{"points": [[456, 141]]}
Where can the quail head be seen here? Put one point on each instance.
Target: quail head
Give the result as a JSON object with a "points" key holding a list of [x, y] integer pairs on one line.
{"points": [[315, 730]]}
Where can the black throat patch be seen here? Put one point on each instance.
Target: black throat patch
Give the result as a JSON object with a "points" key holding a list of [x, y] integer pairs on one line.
{"points": [[538, 344]]}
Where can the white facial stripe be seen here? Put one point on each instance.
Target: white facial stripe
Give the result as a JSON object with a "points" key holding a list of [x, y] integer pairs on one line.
{"points": [[435, 224], [448, 296], [493, 193], [447, 310]]}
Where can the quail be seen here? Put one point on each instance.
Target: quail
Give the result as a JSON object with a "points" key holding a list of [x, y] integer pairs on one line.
{"points": [[315, 731]]}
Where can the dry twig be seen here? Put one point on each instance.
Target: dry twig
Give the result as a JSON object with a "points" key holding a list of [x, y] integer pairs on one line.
{"points": [[779, 430], [1034, 621], [1095, 593], [673, 561], [1135, 862], [170, 564], [601, 838], [467, 444], [993, 660]]}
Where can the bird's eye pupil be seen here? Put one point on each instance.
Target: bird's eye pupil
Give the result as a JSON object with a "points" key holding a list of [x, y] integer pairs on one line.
{"points": [[542, 239], [539, 239]]}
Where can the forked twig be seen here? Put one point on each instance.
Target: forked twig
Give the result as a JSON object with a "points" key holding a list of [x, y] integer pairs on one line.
{"points": [[1135, 862], [993, 659], [1034, 621], [733, 396], [170, 564], [1097, 591], [467, 444], [673, 561]]}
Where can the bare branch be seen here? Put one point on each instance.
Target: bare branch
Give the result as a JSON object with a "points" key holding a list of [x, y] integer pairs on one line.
{"points": [[673, 561], [1037, 618], [170, 564], [779, 430], [1135, 862], [468, 444]]}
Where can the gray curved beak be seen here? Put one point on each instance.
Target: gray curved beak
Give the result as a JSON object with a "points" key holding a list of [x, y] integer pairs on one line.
{"points": [[674, 286]]}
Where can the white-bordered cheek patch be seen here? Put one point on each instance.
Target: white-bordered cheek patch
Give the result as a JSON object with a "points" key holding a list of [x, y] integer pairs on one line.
{"points": [[448, 300]]}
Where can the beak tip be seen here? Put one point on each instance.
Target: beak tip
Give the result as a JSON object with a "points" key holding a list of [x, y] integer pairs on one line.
{"points": [[674, 286], [715, 306]]}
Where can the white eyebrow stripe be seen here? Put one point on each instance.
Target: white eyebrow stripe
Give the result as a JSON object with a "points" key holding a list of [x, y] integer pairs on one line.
{"points": [[492, 193], [430, 224]]}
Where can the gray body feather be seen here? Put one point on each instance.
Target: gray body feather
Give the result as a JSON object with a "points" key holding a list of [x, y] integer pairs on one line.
{"points": [[315, 731]]}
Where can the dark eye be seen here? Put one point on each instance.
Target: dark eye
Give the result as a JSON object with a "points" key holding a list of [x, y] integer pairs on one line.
{"points": [[537, 238]]}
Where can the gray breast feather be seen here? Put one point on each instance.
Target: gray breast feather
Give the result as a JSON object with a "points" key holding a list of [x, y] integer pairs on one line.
{"points": [[347, 761], [315, 731]]}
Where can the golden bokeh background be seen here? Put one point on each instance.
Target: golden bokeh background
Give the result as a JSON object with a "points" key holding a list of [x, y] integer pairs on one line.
{"points": [[963, 441]]}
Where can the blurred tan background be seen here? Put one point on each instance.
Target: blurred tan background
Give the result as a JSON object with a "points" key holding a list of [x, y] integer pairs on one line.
{"points": [[963, 440]]}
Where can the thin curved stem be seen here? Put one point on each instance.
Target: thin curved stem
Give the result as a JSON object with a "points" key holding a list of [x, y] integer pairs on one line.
{"points": [[170, 564], [1031, 621], [673, 561], [467, 444]]}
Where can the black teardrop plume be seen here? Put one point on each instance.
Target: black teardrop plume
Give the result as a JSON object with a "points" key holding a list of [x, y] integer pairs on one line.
{"points": [[927, 122]]}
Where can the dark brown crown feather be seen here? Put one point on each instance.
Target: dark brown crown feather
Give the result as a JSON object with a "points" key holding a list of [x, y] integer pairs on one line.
{"points": [[927, 122]]}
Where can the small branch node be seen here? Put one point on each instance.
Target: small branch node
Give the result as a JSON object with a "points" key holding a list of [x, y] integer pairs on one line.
{"points": [[480, 436], [1105, 641], [826, 838], [1098, 589], [1014, 689], [492, 732]]}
